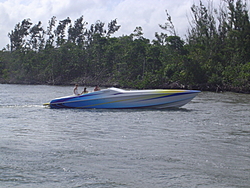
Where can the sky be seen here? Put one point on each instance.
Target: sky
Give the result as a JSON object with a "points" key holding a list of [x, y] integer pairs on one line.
{"points": [[130, 14]]}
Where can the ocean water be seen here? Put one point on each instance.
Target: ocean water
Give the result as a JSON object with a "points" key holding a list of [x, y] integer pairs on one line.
{"points": [[206, 143]]}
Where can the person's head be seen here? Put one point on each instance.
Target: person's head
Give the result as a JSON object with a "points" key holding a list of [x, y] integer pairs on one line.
{"points": [[76, 85], [85, 89]]}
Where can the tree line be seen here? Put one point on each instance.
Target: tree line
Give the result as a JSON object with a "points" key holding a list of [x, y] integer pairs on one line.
{"points": [[214, 56]]}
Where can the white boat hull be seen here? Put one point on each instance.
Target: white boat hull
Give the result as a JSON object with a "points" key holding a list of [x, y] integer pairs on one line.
{"points": [[113, 98]]}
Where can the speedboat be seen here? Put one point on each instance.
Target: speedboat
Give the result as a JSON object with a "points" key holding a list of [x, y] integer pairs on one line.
{"points": [[115, 98]]}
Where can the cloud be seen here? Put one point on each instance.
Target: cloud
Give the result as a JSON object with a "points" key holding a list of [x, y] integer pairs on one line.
{"points": [[129, 14]]}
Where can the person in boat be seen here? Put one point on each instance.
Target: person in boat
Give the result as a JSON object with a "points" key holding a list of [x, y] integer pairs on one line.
{"points": [[84, 91], [97, 88], [76, 90]]}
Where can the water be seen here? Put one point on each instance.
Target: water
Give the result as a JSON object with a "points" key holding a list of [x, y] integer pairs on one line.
{"points": [[206, 143]]}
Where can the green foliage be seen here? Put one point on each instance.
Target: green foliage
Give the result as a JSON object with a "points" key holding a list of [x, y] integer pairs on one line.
{"points": [[216, 52], [238, 75], [221, 46]]}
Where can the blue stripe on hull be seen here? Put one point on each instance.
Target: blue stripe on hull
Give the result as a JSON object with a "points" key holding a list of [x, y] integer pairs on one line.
{"points": [[155, 101]]}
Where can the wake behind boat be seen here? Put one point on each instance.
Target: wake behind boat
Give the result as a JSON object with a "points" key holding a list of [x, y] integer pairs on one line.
{"points": [[114, 98]]}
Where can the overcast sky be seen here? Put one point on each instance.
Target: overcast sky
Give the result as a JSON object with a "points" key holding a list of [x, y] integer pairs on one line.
{"points": [[129, 14]]}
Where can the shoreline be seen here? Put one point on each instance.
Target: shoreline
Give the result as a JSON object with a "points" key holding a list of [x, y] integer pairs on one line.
{"points": [[174, 85]]}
